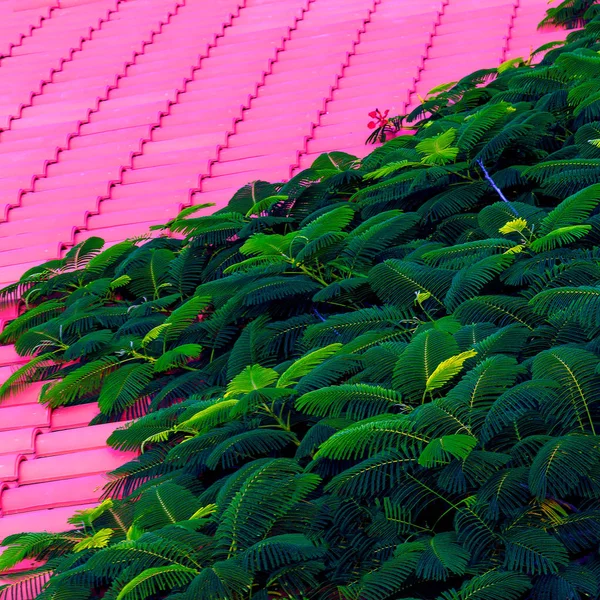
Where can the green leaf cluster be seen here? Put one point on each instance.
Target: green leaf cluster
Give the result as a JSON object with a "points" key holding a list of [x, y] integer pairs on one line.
{"points": [[378, 380]]}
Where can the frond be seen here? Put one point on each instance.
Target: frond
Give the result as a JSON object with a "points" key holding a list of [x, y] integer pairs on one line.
{"points": [[533, 551], [490, 586], [396, 282], [419, 361], [222, 580], [459, 198], [371, 436], [336, 369], [247, 349], [164, 504], [278, 551], [35, 316], [23, 585], [31, 371], [504, 493], [281, 337], [566, 274], [235, 449], [129, 477], [507, 340], [560, 237], [260, 501], [483, 384], [578, 531], [334, 220], [387, 189], [469, 282], [364, 245], [517, 401], [502, 310], [84, 380], [305, 365], [183, 316], [35, 546], [177, 357], [345, 327], [560, 465], [438, 150], [185, 270], [560, 176], [88, 344], [278, 288], [447, 370], [357, 401], [574, 370], [124, 387], [318, 433], [133, 435], [482, 124], [151, 581], [580, 64], [388, 169], [110, 258], [443, 556], [581, 304], [391, 577], [463, 255], [442, 450], [206, 415], [150, 552], [253, 377]]}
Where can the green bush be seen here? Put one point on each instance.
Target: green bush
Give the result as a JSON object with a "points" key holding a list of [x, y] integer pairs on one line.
{"points": [[379, 380]]}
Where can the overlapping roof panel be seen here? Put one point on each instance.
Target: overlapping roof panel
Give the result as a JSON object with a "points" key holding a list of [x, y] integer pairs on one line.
{"points": [[115, 114]]}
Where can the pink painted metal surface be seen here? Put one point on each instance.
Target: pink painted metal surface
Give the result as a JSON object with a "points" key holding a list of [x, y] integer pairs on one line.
{"points": [[115, 114]]}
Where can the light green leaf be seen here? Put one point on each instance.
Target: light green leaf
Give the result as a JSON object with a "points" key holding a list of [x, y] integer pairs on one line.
{"points": [[100, 539], [438, 150], [442, 450], [253, 377], [303, 366], [150, 581], [560, 237], [155, 333], [447, 369]]}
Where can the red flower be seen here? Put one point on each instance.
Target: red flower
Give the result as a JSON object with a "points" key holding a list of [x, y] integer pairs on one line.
{"points": [[381, 120]]}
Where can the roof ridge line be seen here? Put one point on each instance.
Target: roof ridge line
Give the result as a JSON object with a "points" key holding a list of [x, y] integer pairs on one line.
{"points": [[80, 123], [63, 60], [334, 87], [511, 25], [152, 127], [32, 28], [437, 23], [260, 84]]}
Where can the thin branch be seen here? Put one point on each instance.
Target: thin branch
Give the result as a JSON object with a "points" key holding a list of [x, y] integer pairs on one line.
{"points": [[498, 190]]}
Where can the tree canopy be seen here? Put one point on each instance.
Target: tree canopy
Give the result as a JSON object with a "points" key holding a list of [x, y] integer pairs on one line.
{"points": [[379, 380]]}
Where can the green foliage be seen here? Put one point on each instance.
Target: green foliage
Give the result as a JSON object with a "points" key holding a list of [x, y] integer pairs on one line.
{"points": [[376, 381]]}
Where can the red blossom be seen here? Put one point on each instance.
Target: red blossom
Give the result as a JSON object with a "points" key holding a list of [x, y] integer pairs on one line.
{"points": [[381, 119]]}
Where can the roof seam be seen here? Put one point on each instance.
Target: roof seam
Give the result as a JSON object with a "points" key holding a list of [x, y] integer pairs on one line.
{"points": [[511, 25], [261, 83], [229, 23], [32, 28], [53, 71], [333, 88], [436, 24], [81, 123]]}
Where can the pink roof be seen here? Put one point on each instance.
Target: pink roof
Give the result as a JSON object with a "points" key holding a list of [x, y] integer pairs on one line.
{"points": [[115, 114]]}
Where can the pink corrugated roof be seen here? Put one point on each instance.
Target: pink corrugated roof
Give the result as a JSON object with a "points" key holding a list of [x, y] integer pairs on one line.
{"points": [[115, 114]]}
